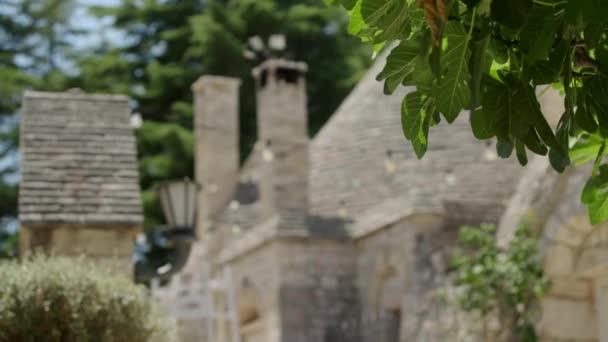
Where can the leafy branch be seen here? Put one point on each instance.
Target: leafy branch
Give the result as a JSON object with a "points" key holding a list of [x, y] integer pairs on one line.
{"points": [[505, 283], [488, 57]]}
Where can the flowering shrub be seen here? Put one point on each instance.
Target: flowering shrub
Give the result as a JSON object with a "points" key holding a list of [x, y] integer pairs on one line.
{"points": [[62, 299], [506, 284]]}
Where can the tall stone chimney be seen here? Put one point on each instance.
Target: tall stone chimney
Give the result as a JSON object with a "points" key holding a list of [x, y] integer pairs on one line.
{"points": [[283, 140], [216, 129]]}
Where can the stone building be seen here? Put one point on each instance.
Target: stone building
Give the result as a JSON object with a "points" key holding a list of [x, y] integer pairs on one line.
{"points": [[79, 192], [345, 237]]}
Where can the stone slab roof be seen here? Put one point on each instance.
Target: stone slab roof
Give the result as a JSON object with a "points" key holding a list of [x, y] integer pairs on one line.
{"points": [[364, 172], [360, 160], [79, 161]]}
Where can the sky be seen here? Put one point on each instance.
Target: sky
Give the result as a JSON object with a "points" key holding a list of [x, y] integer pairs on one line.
{"points": [[96, 26], [96, 29]]}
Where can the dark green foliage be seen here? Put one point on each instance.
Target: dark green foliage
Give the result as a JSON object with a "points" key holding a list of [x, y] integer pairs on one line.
{"points": [[172, 43], [511, 13], [167, 45], [594, 194], [9, 244], [60, 299], [490, 57], [36, 31], [493, 281]]}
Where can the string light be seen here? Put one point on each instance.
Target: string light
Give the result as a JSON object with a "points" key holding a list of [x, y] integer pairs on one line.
{"points": [[234, 205]]}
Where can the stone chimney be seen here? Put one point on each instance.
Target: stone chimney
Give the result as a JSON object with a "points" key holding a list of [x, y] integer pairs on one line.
{"points": [[283, 140], [216, 129]]}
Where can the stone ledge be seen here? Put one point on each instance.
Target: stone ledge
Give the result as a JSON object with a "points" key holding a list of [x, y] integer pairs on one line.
{"points": [[74, 96], [263, 233]]}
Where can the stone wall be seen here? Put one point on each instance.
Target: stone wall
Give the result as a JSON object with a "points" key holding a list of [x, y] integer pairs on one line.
{"points": [[568, 245], [399, 268], [109, 247], [402, 271], [318, 297], [256, 279], [301, 289]]}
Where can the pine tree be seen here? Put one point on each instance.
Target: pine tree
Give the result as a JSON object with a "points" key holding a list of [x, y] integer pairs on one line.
{"points": [[169, 44], [33, 37]]}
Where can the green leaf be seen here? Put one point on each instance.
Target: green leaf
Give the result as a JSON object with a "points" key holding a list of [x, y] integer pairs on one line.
{"points": [[559, 161], [471, 3], [498, 50], [598, 210], [494, 116], [356, 23], [586, 11], [422, 78], [400, 64], [587, 148], [597, 88], [504, 148], [512, 113], [520, 151], [593, 34], [479, 65], [511, 13], [533, 142], [483, 124], [348, 4], [595, 195], [416, 116], [539, 32], [407, 65], [389, 19], [453, 92], [584, 118], [526, 106], [373, 10], [601, 54], [558, 156]]}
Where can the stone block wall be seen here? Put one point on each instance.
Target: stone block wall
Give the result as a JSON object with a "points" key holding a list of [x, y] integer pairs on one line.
{"points": [[256, 279], [109, 247], [399, 271], [569, 308], [569, 252], [318, 295]]}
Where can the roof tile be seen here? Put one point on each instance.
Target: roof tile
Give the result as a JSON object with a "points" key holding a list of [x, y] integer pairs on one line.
{"points": [[78, 160]]}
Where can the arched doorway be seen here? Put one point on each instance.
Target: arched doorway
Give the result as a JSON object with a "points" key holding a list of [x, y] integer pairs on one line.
{"points": [[574, 253], [384, 321], [251, 322], [575, 258]]}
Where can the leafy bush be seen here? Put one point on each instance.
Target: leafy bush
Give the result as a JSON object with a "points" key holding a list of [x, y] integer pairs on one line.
{"points": [[505, 283], [62, 299]]}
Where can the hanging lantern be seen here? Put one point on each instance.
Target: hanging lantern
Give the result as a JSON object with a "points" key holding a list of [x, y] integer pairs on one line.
{"points": [[179, 203]]}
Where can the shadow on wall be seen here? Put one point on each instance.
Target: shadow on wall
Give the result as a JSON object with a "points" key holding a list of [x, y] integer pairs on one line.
{"points": [[324, 226]]}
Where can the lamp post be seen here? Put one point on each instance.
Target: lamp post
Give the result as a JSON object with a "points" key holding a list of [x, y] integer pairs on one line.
{"points": [[179, 203]]}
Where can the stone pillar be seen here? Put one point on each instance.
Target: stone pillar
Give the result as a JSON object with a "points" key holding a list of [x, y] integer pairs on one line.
{"points": [[216, 129], [282, 132], [601, 306]]}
